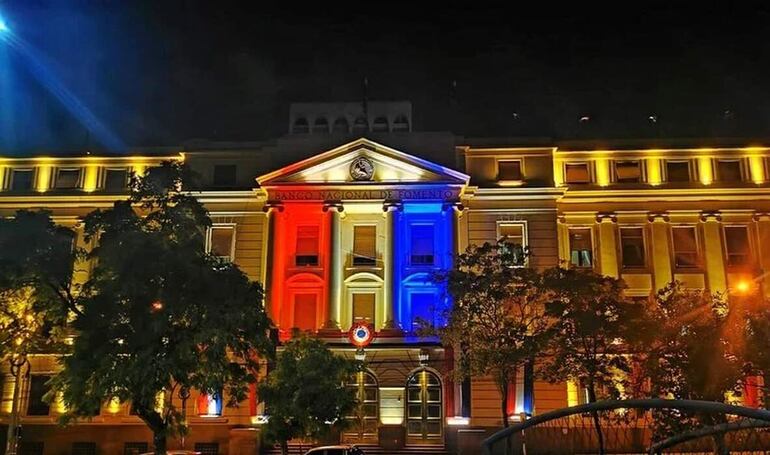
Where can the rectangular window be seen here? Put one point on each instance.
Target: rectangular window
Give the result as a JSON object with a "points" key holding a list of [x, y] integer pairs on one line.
{"points": [[364, 245], [632, 247], [422, 245], [509, 170], [135, 448], [581, 247], [513, 235], [207, 448], [83, 448], [37, 389], [224, 175], [628, 172], [737, 243], [21, 179], [67, 179], [678, 171], [116, 180], [363, 308], [305, 311], [222, 242], [577, 173], [210, 405], [729, 170], [685, 246], [307, 246]]}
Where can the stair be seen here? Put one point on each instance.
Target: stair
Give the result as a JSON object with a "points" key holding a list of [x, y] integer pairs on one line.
{"points": [[369, 449]]}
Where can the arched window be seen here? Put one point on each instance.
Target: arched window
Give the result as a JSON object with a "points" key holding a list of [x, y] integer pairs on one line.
{"points": [[401, 124], [380, 125], [300, 126], [360, 125], [321, 125], [423, 406], [363, 420], [341, 126]]}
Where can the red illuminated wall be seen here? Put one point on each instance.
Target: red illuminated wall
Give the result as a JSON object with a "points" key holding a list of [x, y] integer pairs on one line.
{"points": [[288, 279]]}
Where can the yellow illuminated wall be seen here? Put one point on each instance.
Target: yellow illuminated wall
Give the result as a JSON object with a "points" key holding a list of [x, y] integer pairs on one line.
{"points": [[705, 170], [91, 178], [602, 171], [43, 180], [654, 175], [757, 169]]}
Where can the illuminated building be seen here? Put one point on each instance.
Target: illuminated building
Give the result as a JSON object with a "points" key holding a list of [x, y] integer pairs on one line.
{"points": [[345, 219]]}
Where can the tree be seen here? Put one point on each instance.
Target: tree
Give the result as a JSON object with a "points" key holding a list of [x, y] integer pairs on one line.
{"points": [[696, 352], [757, 353], [497, 320], [37, 260], [158, 313], [305, 393], [594, 330]]}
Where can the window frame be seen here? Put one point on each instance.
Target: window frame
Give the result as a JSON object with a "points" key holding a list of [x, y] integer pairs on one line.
{"points": [[222, 226], [749, 254], [33, 175], [741, 172], [698, 250], [78, 182], [690, 176], [353, 252], [592, 240], [373, 294], [589, 172], [126, 180], [645, 255], [411, 262], [317, 262], [29, 403], [639, 167], [524, 236]]}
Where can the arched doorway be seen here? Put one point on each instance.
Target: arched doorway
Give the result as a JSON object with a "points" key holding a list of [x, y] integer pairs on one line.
{"points": [[424, 406], [363, 422]]}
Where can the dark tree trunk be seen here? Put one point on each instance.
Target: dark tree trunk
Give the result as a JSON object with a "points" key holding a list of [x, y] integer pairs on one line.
{"points": [[159, 441], [504, 402], [595, 416], [284, 448]]}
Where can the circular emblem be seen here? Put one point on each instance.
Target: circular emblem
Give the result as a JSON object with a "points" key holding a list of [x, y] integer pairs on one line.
{"points": [[361, 334], [361, 169]]}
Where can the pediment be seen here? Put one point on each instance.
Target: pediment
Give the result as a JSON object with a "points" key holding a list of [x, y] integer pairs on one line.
{"points": [[362, 162]]}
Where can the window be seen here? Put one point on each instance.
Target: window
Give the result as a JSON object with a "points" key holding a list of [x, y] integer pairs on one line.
{"points": [[37, 389], [300, 126], [380, 125], [321, 125], [67, 179], [135, 448], [401, 124], [307, 246], [628, 172], [21, 180], [224, 175], [363, 308], [581, 247], [210, 405], [509, 170], [632, 247], [305, 311], [729, 170], [364, 246], [116, 180], [513, 235], [341, 125], [685, 246], [678, 171], [83, 448], [737, 243], [207, 448], [422, 244], [577, 173], [222, 241]]}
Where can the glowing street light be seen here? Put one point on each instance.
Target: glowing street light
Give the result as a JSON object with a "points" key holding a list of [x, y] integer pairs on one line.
{"points": [[743, 287]]}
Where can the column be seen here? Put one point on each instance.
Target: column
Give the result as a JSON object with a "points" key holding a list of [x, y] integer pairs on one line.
{"points": [[335, 266], [562, 233], [390, 290], [608, 249], [762, 221], [716, 279], [275, 273], [661, 252]]}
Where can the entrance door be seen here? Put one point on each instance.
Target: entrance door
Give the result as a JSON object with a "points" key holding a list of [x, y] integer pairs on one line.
{"points": [[423, 408], [363, 422]]}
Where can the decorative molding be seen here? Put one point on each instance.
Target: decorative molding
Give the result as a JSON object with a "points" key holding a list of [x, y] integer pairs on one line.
{"points": [[761, 216], [715, 215], [273, 205], [392, 205], [337, 205], [606, 216], [658, 216]]}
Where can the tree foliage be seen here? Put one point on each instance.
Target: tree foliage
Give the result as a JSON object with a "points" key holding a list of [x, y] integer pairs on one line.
{"points": [[497, 320], [158, 313], [305, 394]]}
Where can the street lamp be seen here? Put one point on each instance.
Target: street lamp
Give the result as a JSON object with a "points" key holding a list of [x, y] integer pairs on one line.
{"points": [[423, 356]]}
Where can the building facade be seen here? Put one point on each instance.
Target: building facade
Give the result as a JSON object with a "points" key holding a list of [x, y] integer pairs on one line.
{"points": [[347, 225]]}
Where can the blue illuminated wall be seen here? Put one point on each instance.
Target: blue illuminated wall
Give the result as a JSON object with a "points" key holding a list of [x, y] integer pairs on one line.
{"points": [[415, 292]]}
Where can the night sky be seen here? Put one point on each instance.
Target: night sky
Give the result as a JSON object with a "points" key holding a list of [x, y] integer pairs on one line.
{"points": [[162, 72]]}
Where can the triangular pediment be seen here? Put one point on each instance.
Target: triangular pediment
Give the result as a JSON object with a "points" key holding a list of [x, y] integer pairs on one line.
{"points": [[362, 162]]}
